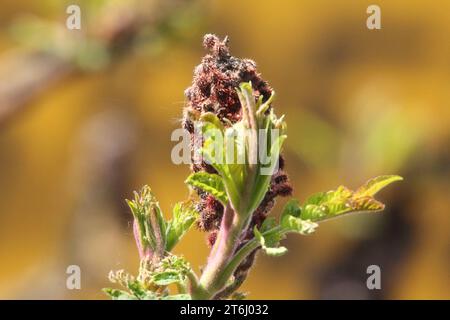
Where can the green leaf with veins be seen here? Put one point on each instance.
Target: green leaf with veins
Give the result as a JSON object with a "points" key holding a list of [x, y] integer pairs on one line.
{"points": [[263, 180], [269, 130], [210, 183], [223, 150], [270, 243], [376, 184], [184, 216], [167, 277], [172, 269], [291, 222], [137, 289], [323, 206], [291, 208], [231, 151], [298, 225]]}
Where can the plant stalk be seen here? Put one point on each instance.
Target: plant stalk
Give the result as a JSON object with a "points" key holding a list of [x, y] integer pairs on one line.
{"points": [[213, 282], [212, 279]]}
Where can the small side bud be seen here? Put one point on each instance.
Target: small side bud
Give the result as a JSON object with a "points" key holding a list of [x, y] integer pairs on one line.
{"points": [[149, 225]]}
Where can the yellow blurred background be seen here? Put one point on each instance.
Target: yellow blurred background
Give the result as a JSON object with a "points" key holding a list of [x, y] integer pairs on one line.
{"points": [[86, 117]]}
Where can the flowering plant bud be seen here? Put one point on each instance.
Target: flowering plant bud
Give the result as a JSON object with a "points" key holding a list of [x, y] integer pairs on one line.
{"points": [[233, 127], [149, 226]]}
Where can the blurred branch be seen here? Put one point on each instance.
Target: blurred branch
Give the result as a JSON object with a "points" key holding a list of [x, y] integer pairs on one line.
{"points": [[23, 76], [50, 52]]}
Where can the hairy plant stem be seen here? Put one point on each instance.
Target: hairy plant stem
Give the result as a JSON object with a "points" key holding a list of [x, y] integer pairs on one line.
{"points": [[194, 287], [246, 250], [212, 279]]}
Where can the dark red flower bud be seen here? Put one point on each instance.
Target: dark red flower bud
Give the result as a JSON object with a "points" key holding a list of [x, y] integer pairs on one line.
{"points": [[213, 90]]}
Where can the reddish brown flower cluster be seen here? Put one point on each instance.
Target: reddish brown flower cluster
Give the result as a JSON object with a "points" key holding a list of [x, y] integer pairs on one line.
{"points": [[214, 90], [215, 81]]}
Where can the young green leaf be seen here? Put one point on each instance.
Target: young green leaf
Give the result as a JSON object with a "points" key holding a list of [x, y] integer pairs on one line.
{"points": [[292, 208], [322, 206], [298, 225], [262, 182], [376, 184], [238, 152], [184, 216], [172, 269], [167, 277], [210, 183], [268, 224], [150, 223], [213, 119], [137, 289], [270, 243], [264, 146], [225, 151]]}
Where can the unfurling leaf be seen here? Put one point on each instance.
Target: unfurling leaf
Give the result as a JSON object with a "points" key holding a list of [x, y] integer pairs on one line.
{"points": [[298, 225], [137, 288], [290, 219], [167, 277], [246, 153], [184, 215], [270, 244], [212, 119], [268, 224], [376, 184], [172, 269], [225, 151], [264, 146], [322, 206], [149, 224], [210, 183], [292, 208], [152, 281]]}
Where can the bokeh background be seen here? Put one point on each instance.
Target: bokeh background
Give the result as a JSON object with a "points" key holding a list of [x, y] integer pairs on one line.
{"points": [[86, 117]]}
